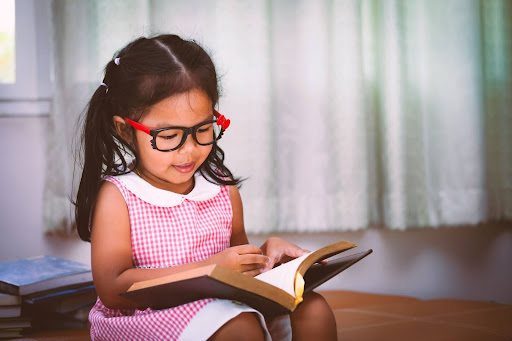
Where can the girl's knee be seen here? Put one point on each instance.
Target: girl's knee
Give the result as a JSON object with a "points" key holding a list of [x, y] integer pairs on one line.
{"points": [[315, 305], [246, 326], [313, 318]]}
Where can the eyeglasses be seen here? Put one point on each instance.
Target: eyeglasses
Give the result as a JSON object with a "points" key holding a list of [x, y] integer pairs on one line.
{"points": [[172, 138]]}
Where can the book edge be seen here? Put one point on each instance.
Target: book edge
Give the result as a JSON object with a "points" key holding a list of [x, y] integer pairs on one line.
{"points": [[323, 253], [47, 284], [223, 275], [338, 270], [175, 277], [256, 286]]}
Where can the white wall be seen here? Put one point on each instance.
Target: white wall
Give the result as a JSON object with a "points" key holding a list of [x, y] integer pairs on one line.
{"points": [[465, 263]]}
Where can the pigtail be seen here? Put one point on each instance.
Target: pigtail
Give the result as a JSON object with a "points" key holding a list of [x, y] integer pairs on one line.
{"points": [[103, 154]]}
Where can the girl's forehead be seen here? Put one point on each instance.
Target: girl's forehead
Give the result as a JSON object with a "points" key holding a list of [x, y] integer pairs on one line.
{"points": [[181, 109]]}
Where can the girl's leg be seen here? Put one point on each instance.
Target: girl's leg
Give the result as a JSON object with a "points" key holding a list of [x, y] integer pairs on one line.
{"points": [[244, 327], [313, 320]]}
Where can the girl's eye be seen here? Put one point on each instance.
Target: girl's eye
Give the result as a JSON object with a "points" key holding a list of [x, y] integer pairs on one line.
{"points": [[168, 137], [204, 130]]}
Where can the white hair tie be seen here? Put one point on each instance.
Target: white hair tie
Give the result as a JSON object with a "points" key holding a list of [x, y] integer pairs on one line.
{"points": [[116, 61]]}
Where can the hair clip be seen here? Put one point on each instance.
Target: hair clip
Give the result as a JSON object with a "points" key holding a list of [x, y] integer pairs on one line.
{"points": [[116, 61], [106, 86], [221, 120]]}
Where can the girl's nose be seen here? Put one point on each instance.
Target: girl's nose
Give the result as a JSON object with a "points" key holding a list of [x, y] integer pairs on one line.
{"points": [[189, 145]]}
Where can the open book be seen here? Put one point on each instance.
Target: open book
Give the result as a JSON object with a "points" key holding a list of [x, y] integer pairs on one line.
{"points": [[277, 291]]}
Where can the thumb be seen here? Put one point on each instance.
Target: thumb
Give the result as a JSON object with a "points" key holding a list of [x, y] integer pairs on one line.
{"points": [[274, 258]]}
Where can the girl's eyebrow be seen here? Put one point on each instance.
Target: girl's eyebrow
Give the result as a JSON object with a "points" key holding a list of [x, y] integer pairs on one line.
{"points": [[160, 125]]}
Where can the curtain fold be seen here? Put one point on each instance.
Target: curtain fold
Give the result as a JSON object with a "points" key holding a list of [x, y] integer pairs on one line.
{"points": [[345, 114]]}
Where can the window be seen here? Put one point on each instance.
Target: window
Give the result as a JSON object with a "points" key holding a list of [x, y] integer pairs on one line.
{"points": [[25, 79], [7, 49]]}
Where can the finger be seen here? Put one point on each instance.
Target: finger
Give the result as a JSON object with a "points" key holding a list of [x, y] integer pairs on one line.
{"points": [[252, 273], [254, 259], [273, 260], [290, 254], [246, 248], [295, 252], [323, 261], [278, 257], [251, 267]]}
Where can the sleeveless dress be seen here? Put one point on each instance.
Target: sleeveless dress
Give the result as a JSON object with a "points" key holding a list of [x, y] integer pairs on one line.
{"points": [[170, 229]]}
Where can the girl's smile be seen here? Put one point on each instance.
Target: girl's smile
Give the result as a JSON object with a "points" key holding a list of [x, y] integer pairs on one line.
{"points": [[185, 168]]}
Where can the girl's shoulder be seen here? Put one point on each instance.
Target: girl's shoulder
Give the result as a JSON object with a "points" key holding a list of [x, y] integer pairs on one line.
{"points": [[109, 199], [132, 183]]}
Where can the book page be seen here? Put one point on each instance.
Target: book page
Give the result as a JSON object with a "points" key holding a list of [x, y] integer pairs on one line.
{"points": [[283, 276]]}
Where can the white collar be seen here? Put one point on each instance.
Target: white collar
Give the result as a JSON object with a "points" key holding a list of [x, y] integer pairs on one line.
{"points": [[203, 190]]}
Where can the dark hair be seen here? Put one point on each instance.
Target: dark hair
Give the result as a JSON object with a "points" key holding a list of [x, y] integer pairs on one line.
{"points": [[148, 70]]}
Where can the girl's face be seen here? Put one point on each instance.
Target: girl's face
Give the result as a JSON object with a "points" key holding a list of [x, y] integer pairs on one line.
{"points": [[174, 170]]}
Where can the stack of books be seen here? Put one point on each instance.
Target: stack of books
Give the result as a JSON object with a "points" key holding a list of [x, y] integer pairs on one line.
{"points": [[44, 292], [11, 322]]}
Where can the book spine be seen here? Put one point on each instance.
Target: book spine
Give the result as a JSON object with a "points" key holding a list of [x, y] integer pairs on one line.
{"points": [[10, 289]]}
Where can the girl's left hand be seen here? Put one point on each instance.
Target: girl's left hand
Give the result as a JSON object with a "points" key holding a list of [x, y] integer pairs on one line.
{"points": [[280, 251]]}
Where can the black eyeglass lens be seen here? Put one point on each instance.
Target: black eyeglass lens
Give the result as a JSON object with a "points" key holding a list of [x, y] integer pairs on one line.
{"points": [[207, 133], [171, 138]]}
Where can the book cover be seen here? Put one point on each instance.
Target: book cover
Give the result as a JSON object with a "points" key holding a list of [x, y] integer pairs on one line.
{"points": [[11, 333], [59, 294], [28, 276], [10, 311], [63, 305], [15, 322], [274, 292]]}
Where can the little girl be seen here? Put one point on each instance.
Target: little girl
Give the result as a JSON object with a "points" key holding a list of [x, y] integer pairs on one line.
{"points": [[175, 206]]}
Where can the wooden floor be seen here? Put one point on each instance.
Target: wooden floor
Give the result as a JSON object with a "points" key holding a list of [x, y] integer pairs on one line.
{"points": [[365, 317]]}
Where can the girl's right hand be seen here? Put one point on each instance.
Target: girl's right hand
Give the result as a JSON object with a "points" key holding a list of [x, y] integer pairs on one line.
{"points": [[247, 259]]}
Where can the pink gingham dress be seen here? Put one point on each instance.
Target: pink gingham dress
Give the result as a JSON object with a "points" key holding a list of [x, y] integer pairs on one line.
{"points": [[170, 229]]}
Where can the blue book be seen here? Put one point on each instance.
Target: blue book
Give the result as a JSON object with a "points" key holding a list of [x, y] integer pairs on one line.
{"points": [[61, 301], [59, 294], [32, 275]]}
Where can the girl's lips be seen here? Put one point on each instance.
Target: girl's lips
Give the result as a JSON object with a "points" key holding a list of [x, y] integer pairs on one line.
{"points": [[185, 168]]}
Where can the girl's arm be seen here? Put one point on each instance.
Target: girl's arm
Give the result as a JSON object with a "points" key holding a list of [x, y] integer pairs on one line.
{"points": [[111, 252], [238, 235]]}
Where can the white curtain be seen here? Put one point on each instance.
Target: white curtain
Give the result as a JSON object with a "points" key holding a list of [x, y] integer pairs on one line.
{"points": [[345, 114]]}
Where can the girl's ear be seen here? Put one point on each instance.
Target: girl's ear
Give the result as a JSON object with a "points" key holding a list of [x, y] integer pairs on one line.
{"points": [[123, 129]]}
